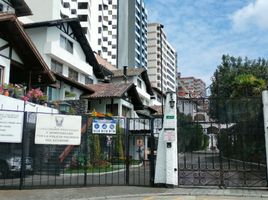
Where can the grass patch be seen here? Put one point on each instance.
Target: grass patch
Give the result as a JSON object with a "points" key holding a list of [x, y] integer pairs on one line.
{"points": [[95, 169]]}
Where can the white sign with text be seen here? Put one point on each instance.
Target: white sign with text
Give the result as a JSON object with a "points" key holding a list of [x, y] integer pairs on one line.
{"points": [[104, 126], [11, 126], [58, 129]]}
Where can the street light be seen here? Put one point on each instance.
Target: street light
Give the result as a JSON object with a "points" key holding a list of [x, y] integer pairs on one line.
{"points": [[64, 107], [171, 101]]}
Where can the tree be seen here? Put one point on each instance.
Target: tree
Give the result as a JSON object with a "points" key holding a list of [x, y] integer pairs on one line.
{"points": [[190, 134], [239, 78], [236, 100]]}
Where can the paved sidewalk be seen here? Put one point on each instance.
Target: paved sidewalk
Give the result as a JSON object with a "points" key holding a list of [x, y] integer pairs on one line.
{"points": [[134, 193]]}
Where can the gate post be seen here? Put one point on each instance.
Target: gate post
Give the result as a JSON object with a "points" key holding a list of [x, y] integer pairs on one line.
{"points": [[152, 158], [166, 171], [265, 118], [85, 150], [23, 157], [127, 135]]}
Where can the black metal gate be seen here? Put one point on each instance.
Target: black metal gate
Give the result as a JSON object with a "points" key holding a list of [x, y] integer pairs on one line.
{"points": [[101, 159], [221, 142]]}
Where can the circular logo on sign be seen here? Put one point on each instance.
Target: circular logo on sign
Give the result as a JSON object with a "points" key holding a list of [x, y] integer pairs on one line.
{"points": [[111, 126], [104, 126], [96, 126]]}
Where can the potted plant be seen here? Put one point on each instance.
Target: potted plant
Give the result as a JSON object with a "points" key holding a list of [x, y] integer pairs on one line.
{"points": [[33, 95], [70, 95], [43, 100]]}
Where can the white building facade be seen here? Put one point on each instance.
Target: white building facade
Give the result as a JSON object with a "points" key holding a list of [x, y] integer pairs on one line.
{"points": [[53, 10], [104, 29], [162, 59], [64, 55]]}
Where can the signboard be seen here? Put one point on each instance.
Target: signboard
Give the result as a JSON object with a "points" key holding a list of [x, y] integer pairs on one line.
{"points": [[11, 126], [170, 121], [58, 129], [170, 117], [169, 135], [104, 126]]}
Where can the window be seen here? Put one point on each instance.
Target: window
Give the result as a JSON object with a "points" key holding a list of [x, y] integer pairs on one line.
{"points": [[73, 11], [139, 83], [56, 66], [66, 44], [100, 18], [114, 17], [73, 74], [126, 111], [1, 74], [82, 18], [88, 80], [99, 30], [66, 5], [112, 109], [100, 7], [83, 5], [99, 41], [1, 7], [84, 30], [104, 49], [105, 18]]}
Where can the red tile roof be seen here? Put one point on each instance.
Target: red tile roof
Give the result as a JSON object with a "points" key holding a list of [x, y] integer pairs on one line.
{"points": [[108, 90]]}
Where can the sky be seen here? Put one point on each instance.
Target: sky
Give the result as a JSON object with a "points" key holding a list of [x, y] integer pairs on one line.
{"points": [[203, 30]]}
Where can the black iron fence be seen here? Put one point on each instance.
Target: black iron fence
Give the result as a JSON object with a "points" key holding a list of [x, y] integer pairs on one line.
{"points": [[221, 142], [123, 158]]}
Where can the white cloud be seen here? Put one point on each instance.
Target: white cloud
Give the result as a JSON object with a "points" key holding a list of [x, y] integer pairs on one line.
{"points": [[254, 14]]}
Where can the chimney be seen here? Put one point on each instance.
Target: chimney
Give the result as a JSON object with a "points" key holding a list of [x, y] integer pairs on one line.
{"points": [[125, 73]]}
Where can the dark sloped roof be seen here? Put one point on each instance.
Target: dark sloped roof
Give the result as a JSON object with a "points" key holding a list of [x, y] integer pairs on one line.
{"points": [[12, 31], [104, 63], [116, 90], [99, 70], [109, 90], [158, 109], [158, 91], [136, 72]]}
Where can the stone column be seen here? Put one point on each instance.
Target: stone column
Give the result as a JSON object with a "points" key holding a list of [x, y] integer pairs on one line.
{"points": [[265, 117], [166, 172]]}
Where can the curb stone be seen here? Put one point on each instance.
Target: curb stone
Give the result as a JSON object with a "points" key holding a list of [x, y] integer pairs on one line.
{"points": [[171, 194]]}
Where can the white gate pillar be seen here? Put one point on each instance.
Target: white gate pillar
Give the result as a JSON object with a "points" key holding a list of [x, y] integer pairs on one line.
{"points": [[265, 117], [166, 171]]}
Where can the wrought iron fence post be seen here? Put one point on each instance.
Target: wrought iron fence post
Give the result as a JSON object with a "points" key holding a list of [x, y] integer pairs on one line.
{"points": [[127, 135], [220, 161], [152, 158], [86, 152], [22, 166]]}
